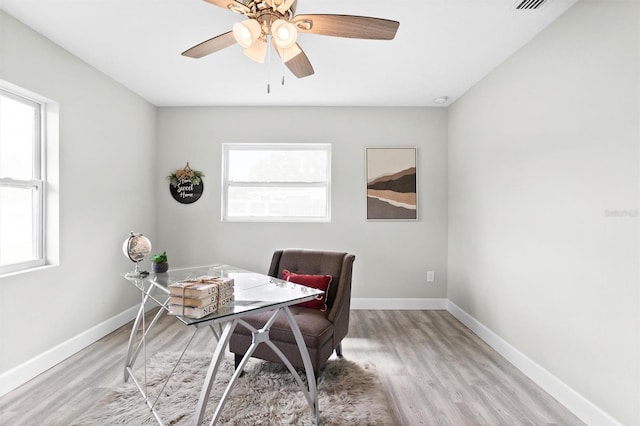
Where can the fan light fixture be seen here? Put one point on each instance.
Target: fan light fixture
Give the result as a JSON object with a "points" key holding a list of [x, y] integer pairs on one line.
{"points": [[257, 51], [277, 20], [249, 35], [284, 33], [246, 32]]}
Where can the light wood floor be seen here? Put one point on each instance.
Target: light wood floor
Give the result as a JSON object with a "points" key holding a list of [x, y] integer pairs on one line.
{"points": [[434, 370]]}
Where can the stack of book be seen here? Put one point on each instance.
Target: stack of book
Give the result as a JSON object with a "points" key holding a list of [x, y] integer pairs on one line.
{"points": [[200, 297]]}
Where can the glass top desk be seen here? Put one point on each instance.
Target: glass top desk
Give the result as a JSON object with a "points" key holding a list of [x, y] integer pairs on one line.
{"points": [[253, 293]]}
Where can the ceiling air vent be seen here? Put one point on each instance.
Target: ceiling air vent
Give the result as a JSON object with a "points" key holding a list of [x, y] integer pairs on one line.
{"points": [[530, 4]]}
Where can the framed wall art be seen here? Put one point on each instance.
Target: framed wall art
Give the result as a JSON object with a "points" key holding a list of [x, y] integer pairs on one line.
{"points": [[391, 184]]}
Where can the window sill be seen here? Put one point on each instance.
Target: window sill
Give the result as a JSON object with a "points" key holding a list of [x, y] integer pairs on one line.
{"points": [[28, 270]]}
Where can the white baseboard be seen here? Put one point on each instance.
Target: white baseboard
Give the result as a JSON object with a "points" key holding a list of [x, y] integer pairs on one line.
{"points": [[399, 304], [584, 409], [19, 375]]}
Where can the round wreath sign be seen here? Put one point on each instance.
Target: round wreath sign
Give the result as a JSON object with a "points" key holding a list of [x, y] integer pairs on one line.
{"points": [[186, 185]]}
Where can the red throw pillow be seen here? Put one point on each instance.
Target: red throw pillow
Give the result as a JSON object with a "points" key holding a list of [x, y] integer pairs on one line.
{"points": [[321, 282]]}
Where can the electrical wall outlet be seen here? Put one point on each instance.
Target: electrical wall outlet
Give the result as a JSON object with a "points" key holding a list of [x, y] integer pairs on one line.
{"points": [[431, 276]]}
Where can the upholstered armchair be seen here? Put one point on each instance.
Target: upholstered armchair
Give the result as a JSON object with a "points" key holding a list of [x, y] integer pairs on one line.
{"points": [[322, 331]]}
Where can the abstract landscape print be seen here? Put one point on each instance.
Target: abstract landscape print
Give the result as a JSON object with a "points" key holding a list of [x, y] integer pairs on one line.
{"points": [[391, 184]]}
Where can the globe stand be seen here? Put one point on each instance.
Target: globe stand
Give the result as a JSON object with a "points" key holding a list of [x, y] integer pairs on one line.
{"points": [[137, 273]]}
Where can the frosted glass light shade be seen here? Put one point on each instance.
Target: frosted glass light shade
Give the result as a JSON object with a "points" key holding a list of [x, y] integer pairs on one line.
{"points": [[284, 33], [246, 32], [257, 51]]}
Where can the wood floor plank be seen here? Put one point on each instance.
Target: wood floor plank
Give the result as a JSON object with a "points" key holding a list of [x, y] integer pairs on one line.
{"points": [[434, 371]]}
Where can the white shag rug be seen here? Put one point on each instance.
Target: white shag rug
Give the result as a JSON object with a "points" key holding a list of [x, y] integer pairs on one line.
{"points": [[267, 394]]}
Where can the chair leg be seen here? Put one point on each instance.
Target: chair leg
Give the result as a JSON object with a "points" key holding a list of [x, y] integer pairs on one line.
{"points": [[339, 350], [237, 358]]}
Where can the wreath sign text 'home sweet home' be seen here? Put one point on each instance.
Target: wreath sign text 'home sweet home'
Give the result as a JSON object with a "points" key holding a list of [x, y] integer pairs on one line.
{"points": [[186, 185]]}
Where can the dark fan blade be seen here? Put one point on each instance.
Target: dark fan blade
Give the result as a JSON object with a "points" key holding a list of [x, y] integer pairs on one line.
{"points": [[299, 65], [232, 5], [349, 26], [210, 46]]}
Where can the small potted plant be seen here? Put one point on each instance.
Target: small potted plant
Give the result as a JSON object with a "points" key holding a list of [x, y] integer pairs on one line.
{"points": [[159, 263]]}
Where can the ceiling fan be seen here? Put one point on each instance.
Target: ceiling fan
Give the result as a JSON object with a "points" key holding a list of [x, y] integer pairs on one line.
{"points": [[276, 19]]}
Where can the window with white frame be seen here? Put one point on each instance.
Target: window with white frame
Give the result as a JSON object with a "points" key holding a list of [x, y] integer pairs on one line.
{"points": [[21, 183], [276, 182]]}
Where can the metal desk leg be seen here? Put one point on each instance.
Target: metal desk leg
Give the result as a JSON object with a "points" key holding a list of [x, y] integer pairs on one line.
{"points": [[262, 336], [259, 336], [142, 387], [134, 329], [132, 354], [304, 353], [211, 374]]}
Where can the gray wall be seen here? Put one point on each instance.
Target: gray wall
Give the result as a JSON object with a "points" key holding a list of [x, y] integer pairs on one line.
{"points": [[543, 203], [392, 259], [105, 141]]}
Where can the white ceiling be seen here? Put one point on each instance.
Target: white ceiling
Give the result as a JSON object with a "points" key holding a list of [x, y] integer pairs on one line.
{"points": [[442, 48]]}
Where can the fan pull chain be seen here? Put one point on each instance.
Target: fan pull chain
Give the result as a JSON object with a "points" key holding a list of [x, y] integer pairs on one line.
{"points": [[282, 67], [268, 67]]}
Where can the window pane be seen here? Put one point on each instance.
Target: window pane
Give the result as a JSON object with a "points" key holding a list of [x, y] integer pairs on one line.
{"points": [[277, 165], [17, 136], [277, 182], [16, 225], [277, 202]]}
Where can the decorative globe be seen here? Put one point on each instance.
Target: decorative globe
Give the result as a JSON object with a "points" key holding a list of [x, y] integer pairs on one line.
{"points": [[136, 248]]}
